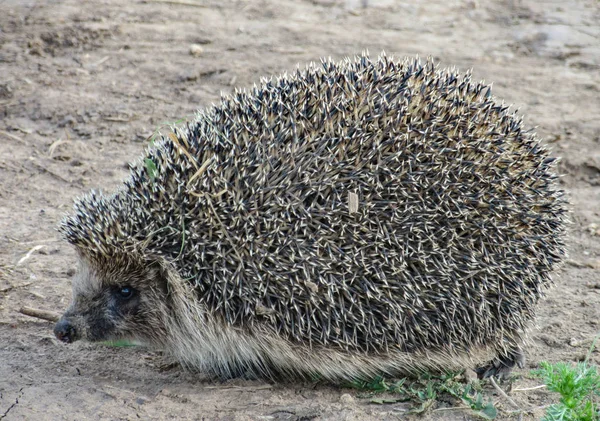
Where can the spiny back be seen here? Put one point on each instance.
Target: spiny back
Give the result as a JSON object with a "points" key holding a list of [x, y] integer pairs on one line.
{"points": [[364, 205]]}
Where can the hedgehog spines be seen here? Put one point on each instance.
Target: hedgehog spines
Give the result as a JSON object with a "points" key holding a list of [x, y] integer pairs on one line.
{"points": [[455, 213]]}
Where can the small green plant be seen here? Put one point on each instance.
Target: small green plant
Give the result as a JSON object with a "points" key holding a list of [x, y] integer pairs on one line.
{"points": [[474, 399], [579, 389], [151, 168], [426, 390]]}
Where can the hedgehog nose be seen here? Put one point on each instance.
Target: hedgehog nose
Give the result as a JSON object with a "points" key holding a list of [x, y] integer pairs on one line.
{"points": [[64, 331]]}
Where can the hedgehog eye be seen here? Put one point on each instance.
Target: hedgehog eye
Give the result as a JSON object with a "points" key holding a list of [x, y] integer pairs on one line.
{"points": [[126, 293]]}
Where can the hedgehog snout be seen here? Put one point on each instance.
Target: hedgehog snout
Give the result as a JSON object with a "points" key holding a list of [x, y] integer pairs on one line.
{"points": [[65, 331]]}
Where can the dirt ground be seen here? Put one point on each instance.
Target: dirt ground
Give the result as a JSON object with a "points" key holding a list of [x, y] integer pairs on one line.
{"points": [[84, 84]]}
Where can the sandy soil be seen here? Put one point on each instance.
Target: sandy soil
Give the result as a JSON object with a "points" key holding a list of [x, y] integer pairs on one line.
{"points": [[83, 85]]}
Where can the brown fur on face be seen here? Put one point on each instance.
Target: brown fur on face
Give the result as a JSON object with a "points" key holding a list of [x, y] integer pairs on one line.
{"points": [[99, 310]]}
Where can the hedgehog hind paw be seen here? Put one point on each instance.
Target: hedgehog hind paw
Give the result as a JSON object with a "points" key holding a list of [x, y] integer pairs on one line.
{"points": [[502, 366]]}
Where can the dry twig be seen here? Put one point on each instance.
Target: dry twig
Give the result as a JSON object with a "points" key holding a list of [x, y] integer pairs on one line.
{"points": [[503, 393], [13, 137], [40, 314]]}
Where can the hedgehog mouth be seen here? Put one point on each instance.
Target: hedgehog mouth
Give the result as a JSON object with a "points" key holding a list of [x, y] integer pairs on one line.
{"points": [[71, 328]]}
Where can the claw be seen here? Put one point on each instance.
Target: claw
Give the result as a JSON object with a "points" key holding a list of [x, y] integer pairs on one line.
{"points": [[502, 366]]}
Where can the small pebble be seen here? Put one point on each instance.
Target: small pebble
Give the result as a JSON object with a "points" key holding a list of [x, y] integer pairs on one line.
{"points": [[196, 50], [346, 399], [141, 400]]}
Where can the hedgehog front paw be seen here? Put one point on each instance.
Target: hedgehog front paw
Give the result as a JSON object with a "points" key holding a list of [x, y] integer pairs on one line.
{"points": [[502, 366]]}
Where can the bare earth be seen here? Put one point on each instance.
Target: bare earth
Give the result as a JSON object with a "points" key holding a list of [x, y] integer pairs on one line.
{"points": [[84, 84]]}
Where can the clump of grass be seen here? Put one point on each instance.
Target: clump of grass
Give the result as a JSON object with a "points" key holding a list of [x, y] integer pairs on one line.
{"points": [[579, 389], [578, 386], [426, 390]]}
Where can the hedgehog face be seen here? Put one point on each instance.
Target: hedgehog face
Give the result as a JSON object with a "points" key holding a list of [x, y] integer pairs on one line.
{"points": [[111, 303]]}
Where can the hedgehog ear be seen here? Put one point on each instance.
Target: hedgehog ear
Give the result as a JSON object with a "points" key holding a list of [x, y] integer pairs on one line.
{"points": [[159, 273]]}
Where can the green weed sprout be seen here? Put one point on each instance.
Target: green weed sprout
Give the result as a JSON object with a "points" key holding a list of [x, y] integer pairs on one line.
{"points": [[579, 389], [424, 392]]}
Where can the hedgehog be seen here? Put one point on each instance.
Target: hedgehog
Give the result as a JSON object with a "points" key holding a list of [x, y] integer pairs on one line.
{"points": [[348, 220]]}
